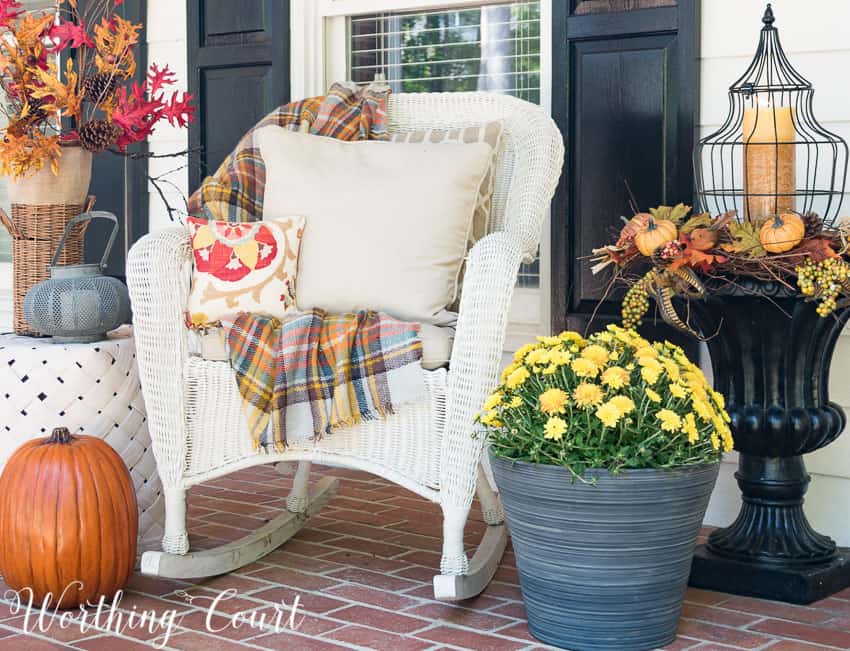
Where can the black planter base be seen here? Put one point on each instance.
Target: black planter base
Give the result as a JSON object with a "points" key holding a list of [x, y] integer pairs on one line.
{"points": [[800, 584]]}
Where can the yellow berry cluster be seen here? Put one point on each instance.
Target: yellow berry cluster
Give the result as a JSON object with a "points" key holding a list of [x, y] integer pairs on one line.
{"points": [[823, 281], [636, 302]]}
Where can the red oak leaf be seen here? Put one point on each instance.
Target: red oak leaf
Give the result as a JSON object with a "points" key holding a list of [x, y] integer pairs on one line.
{"points": [[68, 33], [159, 78], [9, 10], [180, 112], [135, 115]]}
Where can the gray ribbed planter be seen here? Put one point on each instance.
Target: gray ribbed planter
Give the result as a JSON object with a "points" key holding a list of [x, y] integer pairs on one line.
{"points": [[604, 566]]}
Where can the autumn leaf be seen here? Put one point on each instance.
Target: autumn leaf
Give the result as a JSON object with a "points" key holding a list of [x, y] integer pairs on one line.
{"points": [[59, 95], [816, 248], [114, 41], [179, 111], [69, 33], [30, 30], [703, 220], [158, 78], [674, 213], [746, 240], [9, 10]]}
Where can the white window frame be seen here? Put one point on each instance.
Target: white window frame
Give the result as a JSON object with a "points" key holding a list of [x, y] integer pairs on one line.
{"points": [[320, 50]]}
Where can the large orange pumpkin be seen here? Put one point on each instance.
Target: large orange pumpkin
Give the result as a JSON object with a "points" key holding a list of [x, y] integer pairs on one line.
{"points": [[67, 513]]}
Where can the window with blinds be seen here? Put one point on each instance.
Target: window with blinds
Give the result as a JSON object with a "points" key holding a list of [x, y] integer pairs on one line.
{"points": [[492, 47]]}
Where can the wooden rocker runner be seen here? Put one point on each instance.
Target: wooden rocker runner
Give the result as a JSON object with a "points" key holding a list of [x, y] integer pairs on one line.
{"points": [[429, 447]]}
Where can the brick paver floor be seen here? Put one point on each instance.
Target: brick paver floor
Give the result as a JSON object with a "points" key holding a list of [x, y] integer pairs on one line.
{"points": [[362, 571]]}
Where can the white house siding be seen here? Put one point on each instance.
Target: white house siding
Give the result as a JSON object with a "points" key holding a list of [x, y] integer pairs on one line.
{"points": [[813, 34], [167, 45]]}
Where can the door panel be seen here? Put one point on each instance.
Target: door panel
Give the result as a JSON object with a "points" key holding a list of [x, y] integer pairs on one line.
{"points": [[238, 70], [625, 97]]}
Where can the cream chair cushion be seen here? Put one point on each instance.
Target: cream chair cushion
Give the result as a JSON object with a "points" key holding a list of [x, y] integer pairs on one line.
{"points": [[436, 345], [387, 223]]}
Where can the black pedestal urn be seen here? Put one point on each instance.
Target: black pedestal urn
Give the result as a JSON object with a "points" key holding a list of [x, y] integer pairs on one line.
{"points": [[771, 355]]}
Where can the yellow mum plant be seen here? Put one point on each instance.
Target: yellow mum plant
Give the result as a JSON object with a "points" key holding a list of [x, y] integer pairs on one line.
{"points": [[611, 401]]}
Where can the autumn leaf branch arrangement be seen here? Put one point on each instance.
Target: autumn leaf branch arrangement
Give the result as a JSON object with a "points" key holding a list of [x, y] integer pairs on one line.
{"points": [[91, 98]]}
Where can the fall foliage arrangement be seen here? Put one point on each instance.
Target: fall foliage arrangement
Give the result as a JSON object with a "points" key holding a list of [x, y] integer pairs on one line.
{"points": [[689, 253], [89, 98]]}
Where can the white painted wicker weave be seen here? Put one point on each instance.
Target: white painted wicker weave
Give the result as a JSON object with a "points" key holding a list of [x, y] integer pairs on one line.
{"points": [[91, 389], [194, 412]]}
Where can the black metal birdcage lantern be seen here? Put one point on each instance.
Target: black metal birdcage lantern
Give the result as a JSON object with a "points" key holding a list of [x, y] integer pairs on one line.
{"points": [[771, 155]]}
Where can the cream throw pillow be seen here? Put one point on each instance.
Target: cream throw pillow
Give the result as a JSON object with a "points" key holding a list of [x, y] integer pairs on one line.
{"points": [[387, 223], [489, 132]]}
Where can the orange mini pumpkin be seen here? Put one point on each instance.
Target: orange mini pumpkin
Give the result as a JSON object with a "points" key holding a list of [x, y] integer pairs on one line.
{"points": [[782, 233], [67, 514], [656, 232]]}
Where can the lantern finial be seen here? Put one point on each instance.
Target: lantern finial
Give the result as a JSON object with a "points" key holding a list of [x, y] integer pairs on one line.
{"points": [[768, 17]]}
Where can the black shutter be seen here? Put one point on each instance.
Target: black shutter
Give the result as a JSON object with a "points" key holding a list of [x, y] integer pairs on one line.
{"points": [[625, 95], [238, 72], [119, 182]]}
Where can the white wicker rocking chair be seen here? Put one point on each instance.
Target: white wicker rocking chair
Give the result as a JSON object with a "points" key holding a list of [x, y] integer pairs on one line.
{"points": [[196, 420]]}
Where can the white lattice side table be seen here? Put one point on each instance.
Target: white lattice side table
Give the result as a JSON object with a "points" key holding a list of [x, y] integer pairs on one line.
{"points": [[91, 389]]}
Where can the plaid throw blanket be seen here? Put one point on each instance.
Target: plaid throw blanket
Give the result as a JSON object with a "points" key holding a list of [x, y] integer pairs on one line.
{"points": [[311, 373], [235, 192]]}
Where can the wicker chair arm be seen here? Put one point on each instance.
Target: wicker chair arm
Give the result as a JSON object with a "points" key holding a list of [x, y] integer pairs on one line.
{"points": [[158, 275], [476, 358]]}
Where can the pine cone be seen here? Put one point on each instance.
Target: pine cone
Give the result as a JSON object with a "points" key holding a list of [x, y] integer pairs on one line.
{"points": [[100, 87], [98, 135], [813, 223]]}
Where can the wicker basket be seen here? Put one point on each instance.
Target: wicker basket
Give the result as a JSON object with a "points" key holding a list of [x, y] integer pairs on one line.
{"points": [[36, 231]]}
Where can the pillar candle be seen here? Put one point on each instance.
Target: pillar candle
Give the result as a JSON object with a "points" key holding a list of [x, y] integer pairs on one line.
{"points": [[769, 168]]}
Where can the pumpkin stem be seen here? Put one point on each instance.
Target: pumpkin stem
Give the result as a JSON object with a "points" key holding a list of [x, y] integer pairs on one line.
{"points": [[650, 224], [60, 435]]}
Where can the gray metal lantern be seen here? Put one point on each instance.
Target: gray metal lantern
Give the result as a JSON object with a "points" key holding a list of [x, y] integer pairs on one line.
{"points": [[79, 304]]}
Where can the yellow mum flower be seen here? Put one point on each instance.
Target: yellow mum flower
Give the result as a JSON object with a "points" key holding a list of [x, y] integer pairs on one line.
{"points": [[605, 337], [570, 336], [550, 370], [609, 414], [715, 440], [536, 356], [559, 357], [490, 419], [515, 402], [522, 352], [587, 394], [493, 400], [625, 404], [510, 368], [596, 354], [672, 369], [650, 375], [690, 428], [615, 377], [728, 441], [678, 390], [549, 341], [652, 395], [645, 352], [555, 429], [516, 378], [553, 401], [718, 398], [703, 410], [670, 421], [584, 367]]}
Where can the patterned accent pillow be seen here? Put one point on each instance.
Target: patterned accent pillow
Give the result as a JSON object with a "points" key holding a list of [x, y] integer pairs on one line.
{"points": [[242, 267], [490, 133]]}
